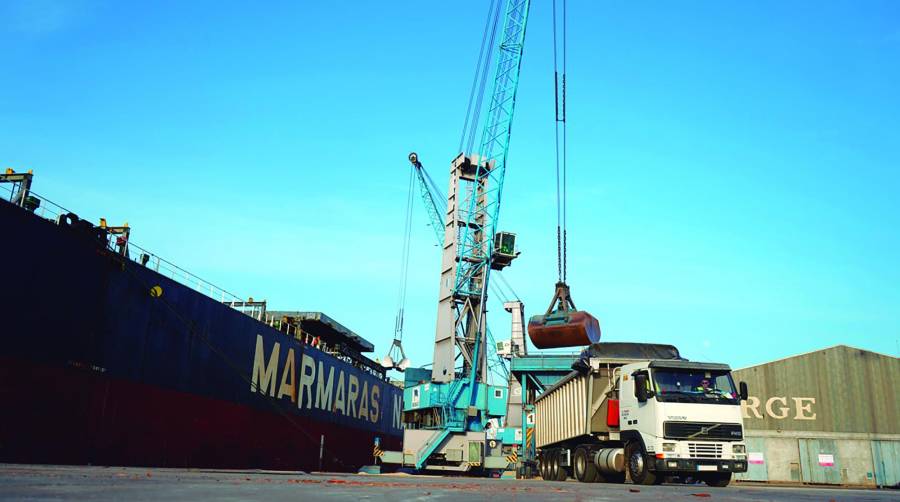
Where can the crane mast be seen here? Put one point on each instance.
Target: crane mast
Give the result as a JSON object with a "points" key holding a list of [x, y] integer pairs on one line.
{"points": [[473, 208]]}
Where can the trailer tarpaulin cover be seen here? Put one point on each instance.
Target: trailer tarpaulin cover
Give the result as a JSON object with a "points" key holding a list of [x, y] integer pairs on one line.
{"points": [[625, 350]]}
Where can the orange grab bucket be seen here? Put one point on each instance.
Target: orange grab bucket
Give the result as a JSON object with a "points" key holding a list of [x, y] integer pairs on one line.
{"points": [[572, 328]]}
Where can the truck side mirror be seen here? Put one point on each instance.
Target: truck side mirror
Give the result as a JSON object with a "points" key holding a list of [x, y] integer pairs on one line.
{"points": [[640, 387], [743, 391]]}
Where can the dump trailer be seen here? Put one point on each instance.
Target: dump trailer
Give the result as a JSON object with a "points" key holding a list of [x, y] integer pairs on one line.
{"points": [[641, 410]]}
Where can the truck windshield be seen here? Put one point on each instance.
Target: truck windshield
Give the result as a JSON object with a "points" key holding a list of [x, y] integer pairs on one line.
{"points": [[694, 386]]}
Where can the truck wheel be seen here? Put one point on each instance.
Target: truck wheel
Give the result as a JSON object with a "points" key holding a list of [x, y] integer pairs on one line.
{"points": [[585, 470], [718, 480], [552, 465], [543, 467], [557, 471], [563, 473], [637, 466]]}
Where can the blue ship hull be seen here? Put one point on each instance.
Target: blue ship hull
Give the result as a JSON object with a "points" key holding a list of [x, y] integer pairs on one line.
{"points": [[105, 361]]}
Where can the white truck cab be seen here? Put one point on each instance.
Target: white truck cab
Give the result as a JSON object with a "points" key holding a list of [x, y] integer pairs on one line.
{"points": [[681, 416]]}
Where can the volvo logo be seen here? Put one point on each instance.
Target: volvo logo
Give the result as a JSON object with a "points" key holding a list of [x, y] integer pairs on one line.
{"points": [[704, 430]]}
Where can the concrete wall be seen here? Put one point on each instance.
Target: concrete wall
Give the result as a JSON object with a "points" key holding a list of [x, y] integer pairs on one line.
{"points": [[857, 467], [782, 459], [854, 463]]}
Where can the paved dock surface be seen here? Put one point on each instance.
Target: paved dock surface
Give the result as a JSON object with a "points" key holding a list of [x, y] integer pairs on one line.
{"points": [[32, 482]]}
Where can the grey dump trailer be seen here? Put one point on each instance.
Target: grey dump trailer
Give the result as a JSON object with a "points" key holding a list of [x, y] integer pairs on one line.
{"points": [[643, 412]]}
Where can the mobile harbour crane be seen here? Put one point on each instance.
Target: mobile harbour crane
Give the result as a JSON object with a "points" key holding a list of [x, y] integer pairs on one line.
{"points": [[445, 416]]}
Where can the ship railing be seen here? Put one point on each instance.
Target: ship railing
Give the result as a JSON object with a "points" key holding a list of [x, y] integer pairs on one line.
{"points": [[52, 211], [47, 209], [150, 260]]}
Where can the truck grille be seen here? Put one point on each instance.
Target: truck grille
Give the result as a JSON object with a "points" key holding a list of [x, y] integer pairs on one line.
{"points": [[705, 450], [703, 430]]}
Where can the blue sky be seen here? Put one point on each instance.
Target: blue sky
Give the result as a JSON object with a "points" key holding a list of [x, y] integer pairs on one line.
{"points": [[733, 166]]}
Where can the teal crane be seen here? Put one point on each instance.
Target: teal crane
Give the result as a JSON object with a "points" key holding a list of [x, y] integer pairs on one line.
{"points": [[447, 414]]}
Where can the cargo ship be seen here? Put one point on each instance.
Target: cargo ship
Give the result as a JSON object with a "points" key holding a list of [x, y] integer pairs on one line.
{"points": [[110, 355]]}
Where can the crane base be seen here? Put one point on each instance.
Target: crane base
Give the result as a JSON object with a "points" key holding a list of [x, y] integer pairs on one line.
{"points": [[573, 328]]}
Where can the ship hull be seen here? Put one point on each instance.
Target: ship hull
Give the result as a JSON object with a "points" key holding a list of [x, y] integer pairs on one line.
{"points": [[97, 367]]}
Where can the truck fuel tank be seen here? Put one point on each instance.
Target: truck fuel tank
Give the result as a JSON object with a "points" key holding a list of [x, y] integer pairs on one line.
{"points": [[572, 328]]}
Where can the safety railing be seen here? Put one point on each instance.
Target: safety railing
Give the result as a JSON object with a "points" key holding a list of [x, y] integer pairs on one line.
{"points": [[48, 209], [182, 276], [52, 211]]}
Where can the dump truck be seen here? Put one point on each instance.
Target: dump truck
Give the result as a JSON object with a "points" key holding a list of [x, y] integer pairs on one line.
{"points": [[643, 411]]}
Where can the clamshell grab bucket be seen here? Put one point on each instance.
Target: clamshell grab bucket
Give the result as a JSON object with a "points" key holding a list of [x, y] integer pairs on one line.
{"points": [[571, 328]]}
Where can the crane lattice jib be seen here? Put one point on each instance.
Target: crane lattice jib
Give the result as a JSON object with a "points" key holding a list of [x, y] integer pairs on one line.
{"points": [[434, 214], [474, 252]]}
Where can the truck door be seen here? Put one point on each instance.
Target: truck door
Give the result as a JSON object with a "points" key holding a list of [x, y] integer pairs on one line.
{"points": [[635, 415]]}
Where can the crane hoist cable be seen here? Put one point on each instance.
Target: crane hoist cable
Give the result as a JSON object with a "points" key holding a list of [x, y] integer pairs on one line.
{"points": [[396, 357], [563, 325], [480, 79], [559, 86]]}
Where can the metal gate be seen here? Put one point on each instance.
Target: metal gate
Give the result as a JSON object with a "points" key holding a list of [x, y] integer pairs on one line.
{"points": [[886, 457], [756, 461], [819, 461]]}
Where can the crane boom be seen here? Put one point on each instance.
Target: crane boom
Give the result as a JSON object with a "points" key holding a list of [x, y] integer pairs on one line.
{"points": [[434, 213]]}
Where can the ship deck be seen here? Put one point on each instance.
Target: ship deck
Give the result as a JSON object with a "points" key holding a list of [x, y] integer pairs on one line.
{"points": [[40, 482]]}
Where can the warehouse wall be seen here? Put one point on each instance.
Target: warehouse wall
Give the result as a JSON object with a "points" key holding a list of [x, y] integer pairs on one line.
{"points": [[827, 417], [840, 389]]}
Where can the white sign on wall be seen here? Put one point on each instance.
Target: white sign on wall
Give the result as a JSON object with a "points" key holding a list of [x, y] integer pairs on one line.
{"points": [[755, 457], [826, 460]]}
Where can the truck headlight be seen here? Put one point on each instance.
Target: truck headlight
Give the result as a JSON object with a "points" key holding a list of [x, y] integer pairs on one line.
{"points": [[668, 446], [739, 448]]}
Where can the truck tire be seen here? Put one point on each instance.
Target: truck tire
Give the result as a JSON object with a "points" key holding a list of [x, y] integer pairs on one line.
{"points": [[562, 474], [585, 470], [557, 471], [553, 465], [635, 461], [544, 467], [718, 480]]}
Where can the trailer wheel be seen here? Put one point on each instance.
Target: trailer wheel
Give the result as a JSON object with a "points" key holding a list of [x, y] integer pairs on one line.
{"points": [[585, 470], [557, 471], [637, 466], [718, 480], [542, 466], [562, 474]]}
